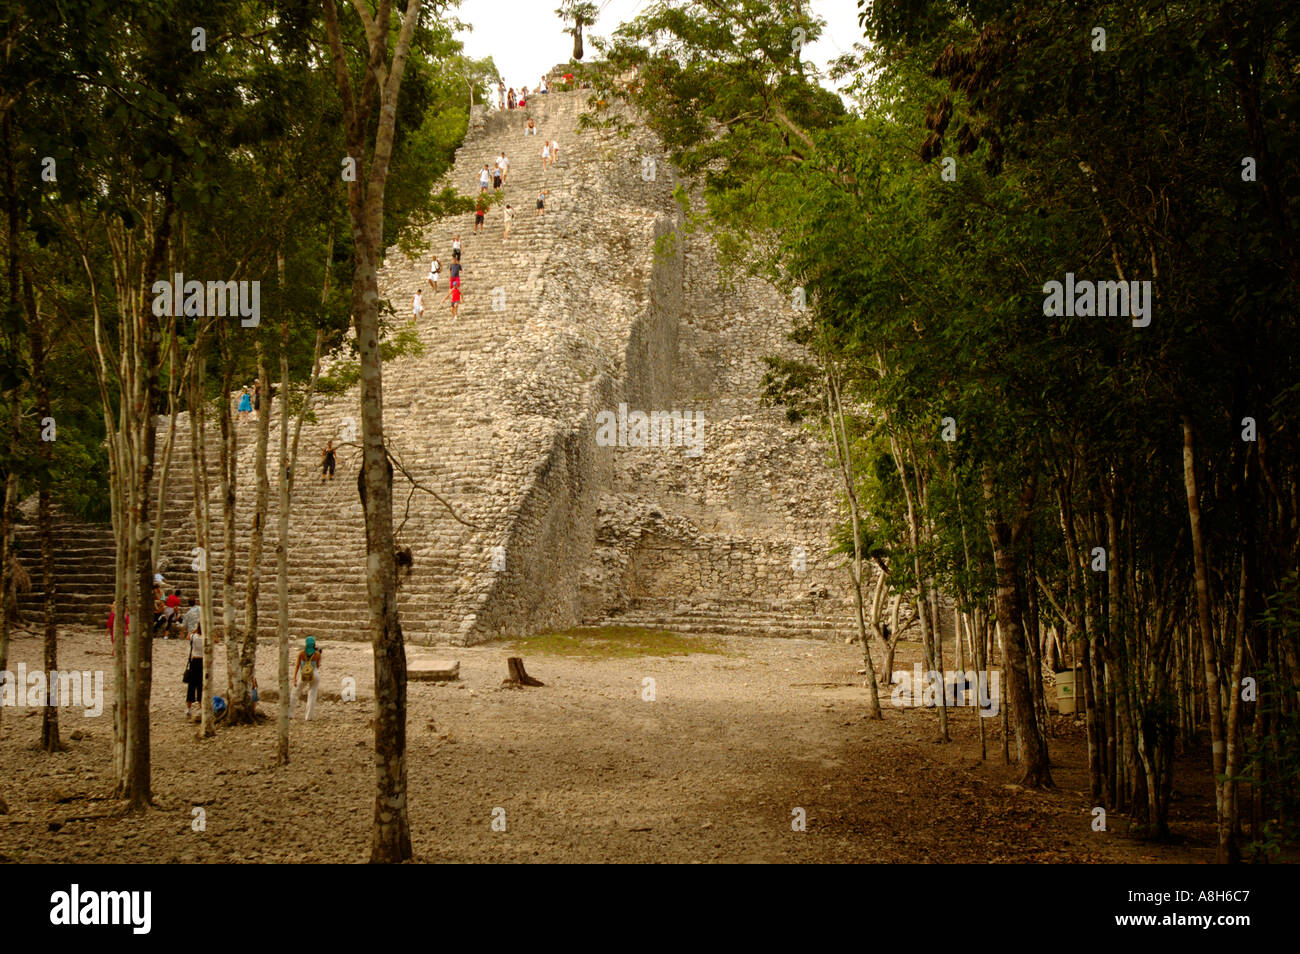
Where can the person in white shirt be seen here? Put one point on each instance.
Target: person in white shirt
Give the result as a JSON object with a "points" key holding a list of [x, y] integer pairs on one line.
{"points": [[555, 149], [194, 674], [484, 178], [455, 249], [193, 616], [501, 95], [417, 304], [546, 154], [308, 664], [544, 90], [434, 268], [509, 217]]}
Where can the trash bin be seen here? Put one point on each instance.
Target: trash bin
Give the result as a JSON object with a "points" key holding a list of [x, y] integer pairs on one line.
{"points": [[1066, 683]]}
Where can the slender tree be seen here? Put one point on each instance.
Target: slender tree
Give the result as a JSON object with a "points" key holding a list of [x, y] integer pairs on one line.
{"points": [[370, 147], [578, 14]]}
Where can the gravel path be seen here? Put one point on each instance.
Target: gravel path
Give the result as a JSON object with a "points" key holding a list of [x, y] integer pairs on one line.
{"points": [[584, 769]]}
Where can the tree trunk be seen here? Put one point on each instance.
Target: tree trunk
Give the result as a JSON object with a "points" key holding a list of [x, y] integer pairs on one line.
{"points": [[922, 597], [1003, 536], [1115, 642], [518, 676], [229, 478], [391, 840], [844, 458], [174, 383], [288, 465], [960, 628], [891, 644], [202, 527], [242, 707], [1034, 643], [121, 582], [874, 623], [142, 425], [285, 488], [1227, 840], [14, 395], [41, 386], [1209, 649], [6, 544], [140, 640], [392, 836], [981, 665]]}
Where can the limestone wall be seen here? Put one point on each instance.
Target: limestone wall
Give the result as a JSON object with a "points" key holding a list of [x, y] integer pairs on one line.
{"points": [[553, 533], [742, 532]]}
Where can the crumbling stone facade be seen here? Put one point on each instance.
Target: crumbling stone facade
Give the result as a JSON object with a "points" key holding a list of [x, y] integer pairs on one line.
{"points": [[604, 300]]}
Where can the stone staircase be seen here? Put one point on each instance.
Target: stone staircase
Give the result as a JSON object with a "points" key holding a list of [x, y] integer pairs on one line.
{"points": [[576, 312], [83, 568], [494, 414]]}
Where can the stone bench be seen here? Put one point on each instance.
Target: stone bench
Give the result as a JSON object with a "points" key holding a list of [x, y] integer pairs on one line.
{"points": [[433, 670]]}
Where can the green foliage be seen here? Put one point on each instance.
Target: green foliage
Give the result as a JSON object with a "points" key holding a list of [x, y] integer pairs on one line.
{"points": [[577, 13], [978, 152], [1273, 762], [665, 246], [245, 140]]}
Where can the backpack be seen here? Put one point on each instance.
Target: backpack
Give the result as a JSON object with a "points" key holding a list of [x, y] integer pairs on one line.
{"points": [[308, 670]]}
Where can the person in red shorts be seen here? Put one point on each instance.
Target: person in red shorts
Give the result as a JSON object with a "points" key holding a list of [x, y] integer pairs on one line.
{"points": [[454, 295], [172, 605]]}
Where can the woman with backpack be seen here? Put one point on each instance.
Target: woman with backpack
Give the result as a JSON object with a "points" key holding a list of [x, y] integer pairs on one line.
{"points": [[308, 666]]}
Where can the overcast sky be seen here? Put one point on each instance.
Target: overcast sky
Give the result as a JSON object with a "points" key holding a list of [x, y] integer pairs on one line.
{"points": [[525, 38]]}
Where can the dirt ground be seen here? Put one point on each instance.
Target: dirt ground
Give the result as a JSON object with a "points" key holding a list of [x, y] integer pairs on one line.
{"points": [[712, 770]]}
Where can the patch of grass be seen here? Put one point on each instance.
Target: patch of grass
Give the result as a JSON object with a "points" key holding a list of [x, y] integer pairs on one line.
{"points": [[615, 642]]}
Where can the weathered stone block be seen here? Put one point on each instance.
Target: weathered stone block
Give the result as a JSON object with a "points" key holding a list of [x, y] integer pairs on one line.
{"points": [[433, 670]]}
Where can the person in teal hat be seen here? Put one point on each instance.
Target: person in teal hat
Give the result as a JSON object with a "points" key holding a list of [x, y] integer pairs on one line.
{"points": [[308, 666]]}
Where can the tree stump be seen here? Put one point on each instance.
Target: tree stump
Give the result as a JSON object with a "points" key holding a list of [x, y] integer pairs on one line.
{"points": [[518, 675]]}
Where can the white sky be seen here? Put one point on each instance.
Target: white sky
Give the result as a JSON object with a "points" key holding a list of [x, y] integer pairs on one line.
{"points": [[525, 38]]}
